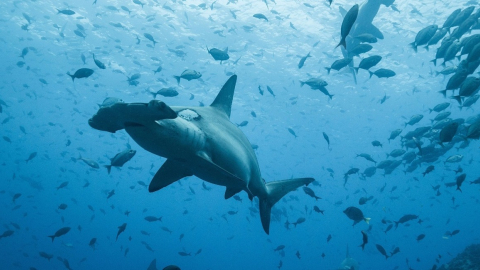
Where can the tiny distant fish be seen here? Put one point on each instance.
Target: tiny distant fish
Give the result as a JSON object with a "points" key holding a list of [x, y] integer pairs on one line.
{"points": [[98, 63], [60, 232], [365, 240], [382, 251], [138, 3], [325, 136], [120, 159], [260, 16], [188, 74], [81, 73], [292, 132], [219, 55], [31, 156], [302, 61], [150, 37], [121, 229], [89, 162], [66, 11], [270, 91], [24, 52]]}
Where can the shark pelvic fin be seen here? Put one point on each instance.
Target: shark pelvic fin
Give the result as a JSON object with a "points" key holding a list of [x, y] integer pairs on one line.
{"points": [[231, 191]]}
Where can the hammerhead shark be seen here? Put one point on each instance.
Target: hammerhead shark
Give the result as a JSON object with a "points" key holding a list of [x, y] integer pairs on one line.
{"points": [[200, 141]]}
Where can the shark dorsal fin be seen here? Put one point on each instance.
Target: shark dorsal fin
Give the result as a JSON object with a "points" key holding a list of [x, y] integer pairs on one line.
{"points": [[223, 101]]}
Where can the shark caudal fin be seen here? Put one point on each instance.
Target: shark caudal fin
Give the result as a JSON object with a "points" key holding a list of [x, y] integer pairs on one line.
{"points": [[276, 190], [223, 101]]}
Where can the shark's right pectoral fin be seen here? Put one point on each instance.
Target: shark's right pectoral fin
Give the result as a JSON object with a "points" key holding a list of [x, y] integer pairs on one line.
{"points": [[171, 171], [276, 190]]}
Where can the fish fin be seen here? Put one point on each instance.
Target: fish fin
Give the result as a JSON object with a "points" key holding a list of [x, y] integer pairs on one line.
{"points": [[414, 47], [223, 101], [171, 171], [109, 168], [73, 77], [275, 191], [177, 78], [458, 99], [343, 43], [231, 191]]}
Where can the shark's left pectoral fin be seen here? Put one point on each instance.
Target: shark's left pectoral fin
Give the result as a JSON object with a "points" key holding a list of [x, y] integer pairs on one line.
{"points": [[171, 171]]}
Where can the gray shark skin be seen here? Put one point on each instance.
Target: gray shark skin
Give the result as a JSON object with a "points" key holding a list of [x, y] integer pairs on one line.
{"points": [[349, 263], [198, 141], [364, 24]]}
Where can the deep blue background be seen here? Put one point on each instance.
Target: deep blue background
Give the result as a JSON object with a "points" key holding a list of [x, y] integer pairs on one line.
{"points": [[58, 112]]}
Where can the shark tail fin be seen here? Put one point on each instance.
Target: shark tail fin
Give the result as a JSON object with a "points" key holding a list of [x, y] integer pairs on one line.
{"points": [[223, 101], [275, 191]]}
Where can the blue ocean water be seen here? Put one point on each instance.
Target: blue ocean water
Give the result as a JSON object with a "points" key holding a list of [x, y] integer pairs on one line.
{"points": [[45, 130]]}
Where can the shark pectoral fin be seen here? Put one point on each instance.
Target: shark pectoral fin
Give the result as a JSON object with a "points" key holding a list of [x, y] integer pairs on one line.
{"points": [[276, 190], [172, 170], [231, 191]]}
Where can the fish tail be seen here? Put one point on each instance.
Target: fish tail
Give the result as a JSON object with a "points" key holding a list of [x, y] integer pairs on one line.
{"points": [[356, 69], [109, 168], [426, 48], [328, 69], [443, 92], [52, 236], [73, 77], [330, 96], [302, 83], [414, 47], [460, 107], [458, 99], [458, 188], [177, 78], [434, 61], [371, 74], [396, 224], [430, 110], [343, 43]]}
